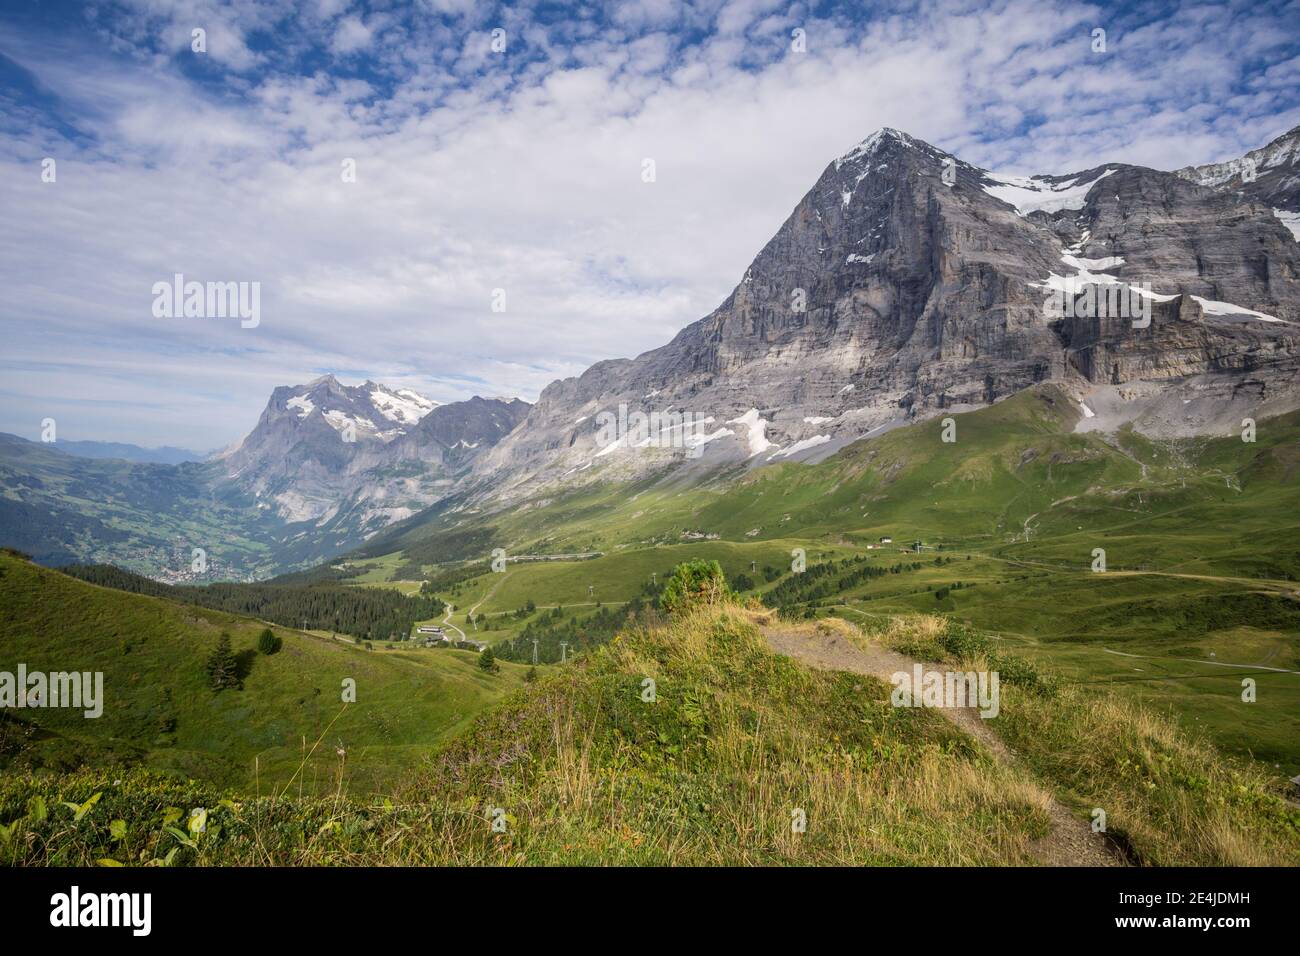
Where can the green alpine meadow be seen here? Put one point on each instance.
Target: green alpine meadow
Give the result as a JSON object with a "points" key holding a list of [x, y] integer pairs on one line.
{"points": [[675, 698], [608, 463]]}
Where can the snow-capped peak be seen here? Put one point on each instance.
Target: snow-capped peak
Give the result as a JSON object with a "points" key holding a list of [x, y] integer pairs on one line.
{"points": [[868, 145], [402, 405]]}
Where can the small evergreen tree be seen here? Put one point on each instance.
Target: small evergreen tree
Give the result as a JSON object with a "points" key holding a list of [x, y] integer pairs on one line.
{"points": [[530, 675], [267, 642], [166, 712], [488, 661], [222, 668]]}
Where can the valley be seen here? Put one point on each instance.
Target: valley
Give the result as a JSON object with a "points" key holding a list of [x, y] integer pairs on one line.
{"points": [[1199, 574], [655, 646]]}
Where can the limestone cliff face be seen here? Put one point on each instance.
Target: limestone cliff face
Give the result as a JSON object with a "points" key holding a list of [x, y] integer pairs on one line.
{"points": [[907, 282]]}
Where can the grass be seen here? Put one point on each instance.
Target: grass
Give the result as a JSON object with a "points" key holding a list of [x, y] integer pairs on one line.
{"points": [[587, 772], [583, 769], [1168, 794], [1199, 537], [160, 713]]}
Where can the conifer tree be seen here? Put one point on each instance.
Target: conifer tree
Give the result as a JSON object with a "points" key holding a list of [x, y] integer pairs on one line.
{"points": [[223, 669]]}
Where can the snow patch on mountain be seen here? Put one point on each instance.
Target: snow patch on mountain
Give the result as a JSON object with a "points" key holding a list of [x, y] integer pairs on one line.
{"points": [[1083, 274], [756, 427], [303, 404], [1214, 307], [1036, 194], [1291, 220], [340, 420], [802, 446], [402, 406]]}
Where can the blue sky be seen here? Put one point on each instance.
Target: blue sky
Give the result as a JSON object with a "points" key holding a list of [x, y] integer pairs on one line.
{"points": [[519, 170]]}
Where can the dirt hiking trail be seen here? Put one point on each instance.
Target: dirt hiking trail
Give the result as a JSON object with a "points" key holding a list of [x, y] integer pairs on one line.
{"points": [[1071, 841]]}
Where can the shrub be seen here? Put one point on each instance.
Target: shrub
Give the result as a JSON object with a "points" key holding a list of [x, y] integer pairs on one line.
{"points": [[960, 641], [267, 642], [1017, 670], [694, 583]]}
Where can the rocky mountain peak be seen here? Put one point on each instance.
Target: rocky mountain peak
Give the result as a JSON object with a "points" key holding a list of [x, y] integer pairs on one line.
{"points": [[357, 457], [1270, 174], [907, 282]]}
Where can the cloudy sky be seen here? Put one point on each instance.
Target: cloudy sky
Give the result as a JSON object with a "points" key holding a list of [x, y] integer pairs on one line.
{"points": [[517, 169]]}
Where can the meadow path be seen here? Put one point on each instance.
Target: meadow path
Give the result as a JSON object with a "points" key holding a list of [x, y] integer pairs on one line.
{"points": [[1071, 841]]}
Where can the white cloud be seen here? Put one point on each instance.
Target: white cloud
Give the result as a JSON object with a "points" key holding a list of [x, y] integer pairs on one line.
{"points": [[351, 35], [522, 171]]}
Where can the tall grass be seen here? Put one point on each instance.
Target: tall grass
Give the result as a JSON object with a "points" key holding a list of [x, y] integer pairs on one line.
{"points": [[581, 768], [1167, 793]]}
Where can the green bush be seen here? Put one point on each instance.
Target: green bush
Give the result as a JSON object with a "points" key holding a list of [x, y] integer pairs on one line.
{"points": [[960, 641], [695, 583], [267, 642]]}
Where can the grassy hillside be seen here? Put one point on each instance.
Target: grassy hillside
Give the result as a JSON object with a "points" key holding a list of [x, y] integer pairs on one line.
{"points": [[1200, 541], [161, 713], [1016, 478], [582, 768]]}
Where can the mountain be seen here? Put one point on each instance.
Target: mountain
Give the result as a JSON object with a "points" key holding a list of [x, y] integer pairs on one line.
{"points": [[163, 455], [310, 435], [907, 283], [1269, 175], [291, 494], [356, 458]]}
